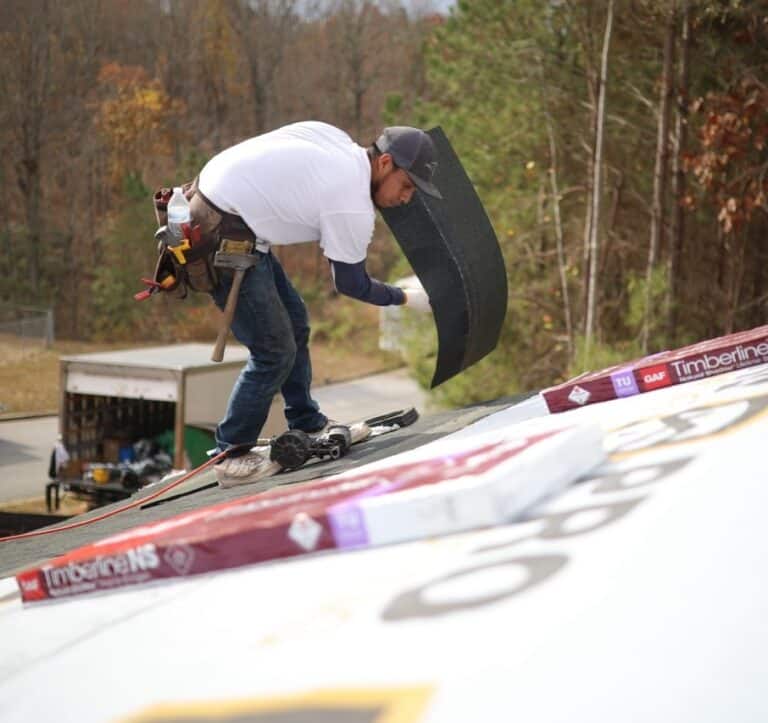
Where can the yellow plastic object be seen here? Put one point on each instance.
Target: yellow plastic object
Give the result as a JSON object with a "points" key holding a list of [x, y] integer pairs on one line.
{"points": [[179, 249], [101, 475]]}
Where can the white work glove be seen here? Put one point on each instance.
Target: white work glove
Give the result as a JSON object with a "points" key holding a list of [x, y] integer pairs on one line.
{"points": [[417, 299]]}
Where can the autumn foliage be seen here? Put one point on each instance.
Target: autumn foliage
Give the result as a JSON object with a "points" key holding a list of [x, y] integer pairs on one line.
{"points": [[731, 165], [136, 118]]}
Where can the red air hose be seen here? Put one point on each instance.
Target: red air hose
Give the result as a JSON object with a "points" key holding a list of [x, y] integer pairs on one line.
{"points": [[130, 505]]}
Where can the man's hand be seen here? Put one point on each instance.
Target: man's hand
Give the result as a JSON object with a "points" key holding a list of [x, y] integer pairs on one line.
{"points": [[417, 299]]}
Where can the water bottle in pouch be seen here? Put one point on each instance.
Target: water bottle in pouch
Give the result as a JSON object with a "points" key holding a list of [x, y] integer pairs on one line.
{"points": [[178, 213]]}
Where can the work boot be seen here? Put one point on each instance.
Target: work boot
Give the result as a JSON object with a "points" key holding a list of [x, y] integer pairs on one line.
{"points": [[322, 430], [242, 470]]}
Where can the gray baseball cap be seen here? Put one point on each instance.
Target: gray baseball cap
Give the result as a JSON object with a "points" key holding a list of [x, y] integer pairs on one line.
{"points": [[412, 150]]}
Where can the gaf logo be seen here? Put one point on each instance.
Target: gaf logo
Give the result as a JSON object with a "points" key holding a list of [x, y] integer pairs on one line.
{"points": [[655, 377], [30, 585]]}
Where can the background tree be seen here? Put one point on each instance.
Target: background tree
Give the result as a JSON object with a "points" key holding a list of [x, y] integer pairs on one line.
{"points": [[27, 83], [679, 144], [597, 185], [265, 29], [660, 170], [102, 101]]}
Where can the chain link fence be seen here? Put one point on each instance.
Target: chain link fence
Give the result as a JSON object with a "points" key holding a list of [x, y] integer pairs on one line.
{"points": [[26, 326]]}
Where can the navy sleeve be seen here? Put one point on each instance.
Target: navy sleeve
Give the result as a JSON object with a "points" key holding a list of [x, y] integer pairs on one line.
{"points": [[353, 280]]}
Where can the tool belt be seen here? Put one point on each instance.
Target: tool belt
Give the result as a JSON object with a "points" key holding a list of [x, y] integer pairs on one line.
{"points": [[192, 263]]}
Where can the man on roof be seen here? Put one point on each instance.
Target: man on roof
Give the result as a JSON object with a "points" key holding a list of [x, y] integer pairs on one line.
{"points": [[303, 182]]}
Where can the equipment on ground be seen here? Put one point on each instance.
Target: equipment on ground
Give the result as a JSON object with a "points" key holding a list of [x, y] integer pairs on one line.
{"points": [[294, 448]]}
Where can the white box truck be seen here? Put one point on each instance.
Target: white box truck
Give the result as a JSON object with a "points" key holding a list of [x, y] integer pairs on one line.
{"points": [[114, 398]]}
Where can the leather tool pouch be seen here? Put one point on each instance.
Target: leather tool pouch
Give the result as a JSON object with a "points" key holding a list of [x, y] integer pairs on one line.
{"points": [[192, 264], [200, 272]]}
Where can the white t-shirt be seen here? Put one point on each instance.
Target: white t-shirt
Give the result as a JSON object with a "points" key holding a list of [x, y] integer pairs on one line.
{"points": [[304, 182]]}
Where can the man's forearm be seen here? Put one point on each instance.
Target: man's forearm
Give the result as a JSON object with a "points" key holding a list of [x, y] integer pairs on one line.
{"points": [[353, 280]]}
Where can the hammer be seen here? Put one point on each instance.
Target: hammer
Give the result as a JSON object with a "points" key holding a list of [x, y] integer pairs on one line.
{"points": [[237, 255]]}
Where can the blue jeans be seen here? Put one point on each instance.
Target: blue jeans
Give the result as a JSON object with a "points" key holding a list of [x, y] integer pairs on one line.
{"points": [[271, 321]]}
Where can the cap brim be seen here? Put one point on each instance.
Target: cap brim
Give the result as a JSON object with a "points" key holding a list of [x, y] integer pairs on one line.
{"points": [[425, 186]]}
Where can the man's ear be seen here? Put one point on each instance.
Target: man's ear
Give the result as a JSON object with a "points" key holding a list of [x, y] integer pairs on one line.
{"points": [[385, 162]]}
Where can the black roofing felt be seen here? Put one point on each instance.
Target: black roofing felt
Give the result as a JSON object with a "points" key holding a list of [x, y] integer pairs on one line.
{"points": [[451, 245], [16, 555]]}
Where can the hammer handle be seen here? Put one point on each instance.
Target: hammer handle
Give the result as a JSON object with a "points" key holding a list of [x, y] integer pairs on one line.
{"points": [[229, 313]]}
